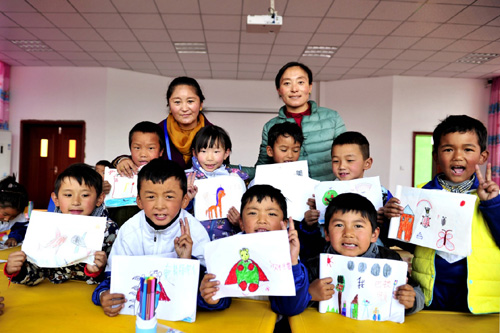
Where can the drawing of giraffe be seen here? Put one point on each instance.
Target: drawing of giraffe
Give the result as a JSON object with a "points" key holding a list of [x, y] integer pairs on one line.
{"points": [[212, 210]]}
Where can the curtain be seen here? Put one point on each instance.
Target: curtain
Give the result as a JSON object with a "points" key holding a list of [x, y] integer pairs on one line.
{"points": [[494, 130], [4, 95]]}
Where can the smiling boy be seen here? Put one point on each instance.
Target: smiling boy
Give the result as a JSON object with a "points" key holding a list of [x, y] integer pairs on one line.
{"points": [[351, 230], [457, 283], [77, 192], [284, 142], [162, 228]]}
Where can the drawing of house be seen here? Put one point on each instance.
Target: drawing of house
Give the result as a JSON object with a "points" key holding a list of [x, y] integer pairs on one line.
{"points": [[406, 224]]}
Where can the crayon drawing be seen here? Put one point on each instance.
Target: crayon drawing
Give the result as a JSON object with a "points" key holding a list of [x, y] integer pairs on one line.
{"points": [[251, 264], [436, 219], [217, 195], [368, 187], [177, 284], [364, 287], [123, 189], [58, 240]]}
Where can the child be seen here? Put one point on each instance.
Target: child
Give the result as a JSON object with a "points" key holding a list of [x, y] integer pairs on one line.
{"points": [[456, 283], [211, 148], [100, 167], [351, 230], [13, 201], [146, 142], [263, 208], [162, 228], [78, 192], [284, 142]]}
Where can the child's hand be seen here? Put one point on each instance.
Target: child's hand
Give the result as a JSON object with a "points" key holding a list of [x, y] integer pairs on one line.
{"points": [[106, 187], [487, 188], [322, 289], [208, 288], [112, 303], [126, 167], [11, 242], [312, 214], [15, 262], [184, 244], [1, 305], [100, 261], [233, 216], [380, 215], [311, 202], [392, 208], [405, 295], [293, 239], [192, 189]]}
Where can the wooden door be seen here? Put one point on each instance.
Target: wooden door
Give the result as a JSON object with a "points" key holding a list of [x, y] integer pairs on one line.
{"points": [[47, 148]]}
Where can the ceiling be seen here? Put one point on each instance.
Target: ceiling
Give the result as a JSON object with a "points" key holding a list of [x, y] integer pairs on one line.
{"points": [[374, 38]]}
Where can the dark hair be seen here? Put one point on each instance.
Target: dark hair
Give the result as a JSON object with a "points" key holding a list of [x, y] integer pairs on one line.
{"points": [[159, 170], [306, 69], [285, 129], [208, 137], [147, 127], [260, 192], [184, 81], [461, 124], [105, 163], [84, 174], [351, 202], [13, 194], [353, 138]]}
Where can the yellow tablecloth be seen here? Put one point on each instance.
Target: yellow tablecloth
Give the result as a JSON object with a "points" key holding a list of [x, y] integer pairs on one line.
{"points": [[68, 308], [424, 321]]}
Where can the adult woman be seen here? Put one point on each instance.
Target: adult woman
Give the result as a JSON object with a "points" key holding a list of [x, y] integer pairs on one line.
{"points": [[185, 101], [319, 125]]}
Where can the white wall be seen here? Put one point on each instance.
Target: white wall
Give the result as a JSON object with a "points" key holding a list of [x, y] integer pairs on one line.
{"points": [[387, 110]]}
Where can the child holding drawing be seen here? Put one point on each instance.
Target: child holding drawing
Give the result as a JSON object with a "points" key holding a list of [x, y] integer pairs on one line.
{"points": [[13, 201], [211, 148], [263, 208], [162, 228], [462, 283], [351, 230], [78, 192], [146, 142]]}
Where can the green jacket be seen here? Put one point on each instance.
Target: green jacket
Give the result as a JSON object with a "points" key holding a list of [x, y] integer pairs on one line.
{"points": [[319, 129]]}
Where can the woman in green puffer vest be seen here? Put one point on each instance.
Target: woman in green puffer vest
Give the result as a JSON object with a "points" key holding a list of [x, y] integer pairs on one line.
{"points": [[320, 126]]}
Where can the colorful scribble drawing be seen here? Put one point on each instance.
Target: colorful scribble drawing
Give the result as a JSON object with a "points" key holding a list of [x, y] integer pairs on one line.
{"points": [[79, 241], [212, 210], [426, 219], [376, 314], [328, 196], [445, 237], [354, 307], [406, 224], [246, 273], [340, 288]]}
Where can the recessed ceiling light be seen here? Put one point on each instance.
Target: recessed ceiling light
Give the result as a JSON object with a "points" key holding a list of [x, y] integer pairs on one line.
{"points": [[478, 58], [319, 51], [32, 45], [200, 48]]}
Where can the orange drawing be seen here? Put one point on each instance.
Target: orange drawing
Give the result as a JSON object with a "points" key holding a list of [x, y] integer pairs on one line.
{"points": [[212, 210], [406, 224]]}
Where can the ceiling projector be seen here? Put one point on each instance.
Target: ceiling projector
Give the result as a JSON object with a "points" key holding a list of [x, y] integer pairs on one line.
{"points": [[264, 23]]}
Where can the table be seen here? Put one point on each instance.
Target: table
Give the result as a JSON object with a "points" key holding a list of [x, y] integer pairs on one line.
{"points": [[424, 321], [68, 308]]}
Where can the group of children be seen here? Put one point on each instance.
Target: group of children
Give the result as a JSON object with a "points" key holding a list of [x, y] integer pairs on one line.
{"points": [[164, 227]]}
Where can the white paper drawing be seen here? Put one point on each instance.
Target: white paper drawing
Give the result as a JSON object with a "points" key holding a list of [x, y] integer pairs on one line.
{"points": [[123, 189], [296, 189], [439, 220], [251, 264], [58, 240], [368, 187], [217, 195], [364, 287], [297, 168], [178, 279]]}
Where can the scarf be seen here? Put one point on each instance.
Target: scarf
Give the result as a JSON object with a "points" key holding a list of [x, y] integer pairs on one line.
{"points": [[181, 139], [462, 187]]}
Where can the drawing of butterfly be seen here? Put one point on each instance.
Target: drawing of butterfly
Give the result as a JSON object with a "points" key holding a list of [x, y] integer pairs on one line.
{"points": [[445, 240]]}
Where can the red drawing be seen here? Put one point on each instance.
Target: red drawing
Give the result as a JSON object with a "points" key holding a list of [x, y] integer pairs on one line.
{"points": [[212, 210], [406, 224], [445, 240], [246, 273]]}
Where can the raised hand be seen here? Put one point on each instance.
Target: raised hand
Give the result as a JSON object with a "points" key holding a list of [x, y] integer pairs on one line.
{"points": [[293, 239], [184, 244], [487, 188], [192, 189]]}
